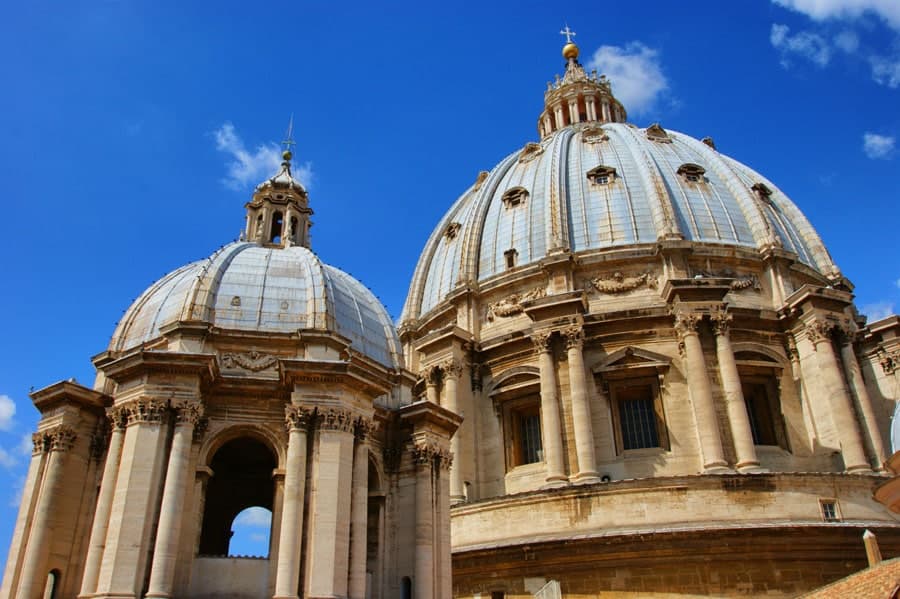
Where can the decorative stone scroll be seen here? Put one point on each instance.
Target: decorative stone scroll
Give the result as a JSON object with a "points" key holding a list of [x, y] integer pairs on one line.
{"points": [[619, 283], [890, 361], [721, 321], [252, 360], [543, 341], [512, 305], [297, 418], [451, 368]]}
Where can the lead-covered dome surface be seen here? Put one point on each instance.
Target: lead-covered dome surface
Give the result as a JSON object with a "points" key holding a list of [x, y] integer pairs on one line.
{"points": [[590, 187], [249, 287]]}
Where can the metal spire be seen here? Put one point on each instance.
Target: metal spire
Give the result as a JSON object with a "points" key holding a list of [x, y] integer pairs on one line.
{"points": [[568, 33]]}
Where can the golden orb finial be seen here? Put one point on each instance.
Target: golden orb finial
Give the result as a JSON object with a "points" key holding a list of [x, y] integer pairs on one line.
{"points": [[287, 155], [570, 50]]}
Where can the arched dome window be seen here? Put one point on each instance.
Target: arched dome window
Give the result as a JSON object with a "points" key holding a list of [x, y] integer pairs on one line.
{"points": [[515, 196], [692, 173]]}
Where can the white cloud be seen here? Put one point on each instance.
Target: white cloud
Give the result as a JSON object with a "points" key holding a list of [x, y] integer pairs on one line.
{"points": [[847, 41], [254, 516], [878, 310], [18, 489], [247, 168], [258, 537], [7, 459], [635, 73], [886, 71], [805, 44], [878, 146], [26, 445], [7, 412], [898, 283], [820, 10]]}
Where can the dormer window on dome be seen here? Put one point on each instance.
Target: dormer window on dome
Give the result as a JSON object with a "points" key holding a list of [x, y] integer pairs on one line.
{"points": [[515, 196], [530, 152], [601, 175], [656, 133], [578, 97], [692, 173], [762, 192]]}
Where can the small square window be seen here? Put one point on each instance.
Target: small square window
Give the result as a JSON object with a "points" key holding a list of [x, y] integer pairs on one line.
{"points": [[829, 510], [693, 178]]}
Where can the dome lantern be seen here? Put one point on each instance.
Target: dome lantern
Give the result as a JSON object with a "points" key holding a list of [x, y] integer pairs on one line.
{"points": [[279, 213], [578, 97]]}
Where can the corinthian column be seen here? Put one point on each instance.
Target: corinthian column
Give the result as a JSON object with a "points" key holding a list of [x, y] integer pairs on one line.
{"points": [[452, 369], [701, 394], [117, 421], [171, 513], [552, 445], [430, 375], [287, 573], [581, 409], [423, 457], [735, 404], [818, 331], [861, 395], [58, 442], [359, 507]]}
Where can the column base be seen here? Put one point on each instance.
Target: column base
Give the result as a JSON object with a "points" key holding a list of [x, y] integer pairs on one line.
{"points": [[859, 469], [750, 468], [284, 596], [717, 469], [583, 478], [457, 499], [555, 481], [157, 595]]}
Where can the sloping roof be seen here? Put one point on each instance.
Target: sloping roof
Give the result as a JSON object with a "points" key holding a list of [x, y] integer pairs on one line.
{"points": [[878, 582]]}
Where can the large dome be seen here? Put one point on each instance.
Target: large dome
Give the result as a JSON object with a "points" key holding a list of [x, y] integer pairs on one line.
{"points": [[587, 187], [248, 287]]}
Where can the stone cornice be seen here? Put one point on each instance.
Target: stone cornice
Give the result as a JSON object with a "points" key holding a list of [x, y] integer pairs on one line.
{"points": [[354, 373], [142, 361], [811, 297], [69, 393], [424, 415]]}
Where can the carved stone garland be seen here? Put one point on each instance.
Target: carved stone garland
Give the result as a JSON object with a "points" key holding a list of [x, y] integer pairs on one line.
{"points": [[619, 283], [253, 360], [512, 304]]}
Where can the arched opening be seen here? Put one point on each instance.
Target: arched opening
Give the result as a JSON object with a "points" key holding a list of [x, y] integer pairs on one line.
{"points": [[250, 533], [277, 224], [374, 515], [295, 231], [241, 479], [52, 585], [406, 588]]}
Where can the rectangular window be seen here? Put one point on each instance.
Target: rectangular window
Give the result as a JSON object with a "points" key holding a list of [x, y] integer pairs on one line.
{"points": [[829, 510], [530, 438], [765, 420], [637, 410]]}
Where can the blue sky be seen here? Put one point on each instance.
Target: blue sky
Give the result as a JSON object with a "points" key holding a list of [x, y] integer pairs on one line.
{"points": [[132, 132]]}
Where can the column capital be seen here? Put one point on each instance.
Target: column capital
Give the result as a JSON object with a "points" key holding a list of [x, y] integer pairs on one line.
{"points": [[363, 428], [574, 336], [334, 419], [117, 417], [721, 320], [890, 361], [819, 330], [686, 323], [451, 368], [297, 418], [188, 413], [790, 347], [430, 374], [543, 341], [144, 411], [429, 454], [61, 438]]}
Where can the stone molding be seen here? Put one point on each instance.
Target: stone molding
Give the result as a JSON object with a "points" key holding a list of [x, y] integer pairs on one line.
{"points": [[619, 283], [59, 438], [890, 361], [574, 336], [512, 304], [298, 418]]}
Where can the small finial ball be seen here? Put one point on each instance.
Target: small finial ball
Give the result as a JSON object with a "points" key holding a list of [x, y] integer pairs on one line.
{"points": [[570, 50], [286, 155]]}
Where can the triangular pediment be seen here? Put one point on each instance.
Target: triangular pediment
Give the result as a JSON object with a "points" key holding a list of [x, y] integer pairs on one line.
{"points": [[632, 357]]}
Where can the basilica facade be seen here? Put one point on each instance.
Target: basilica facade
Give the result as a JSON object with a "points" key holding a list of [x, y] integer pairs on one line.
{"points": [[627, 366]]}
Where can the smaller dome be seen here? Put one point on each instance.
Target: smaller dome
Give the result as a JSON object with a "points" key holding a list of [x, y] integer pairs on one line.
{"points": [[248, 287], [570, 50]]}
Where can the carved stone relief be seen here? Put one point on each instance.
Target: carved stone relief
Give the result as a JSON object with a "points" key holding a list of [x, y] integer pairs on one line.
{"points": [[617, 282], [253, 361], [512, 305]]}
